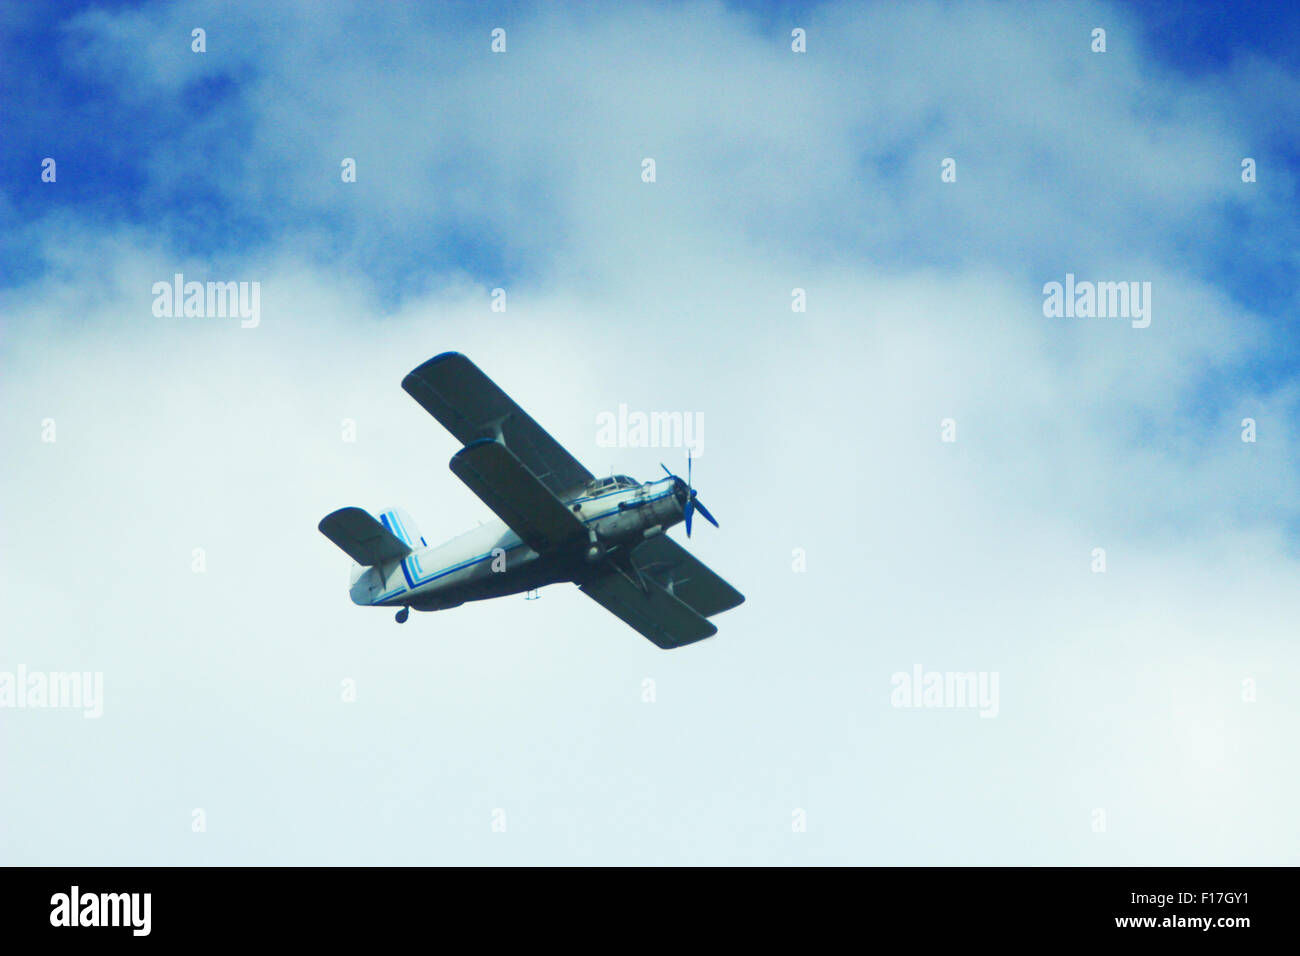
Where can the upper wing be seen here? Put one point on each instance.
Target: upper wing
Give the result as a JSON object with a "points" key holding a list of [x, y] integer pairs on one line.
{"points": [[365, 540], [470, 405], [664, 560], [498, 477], [650, 609]]}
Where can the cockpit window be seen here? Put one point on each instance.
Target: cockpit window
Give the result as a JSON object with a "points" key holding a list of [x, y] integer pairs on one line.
{"points": [[615, 481]]}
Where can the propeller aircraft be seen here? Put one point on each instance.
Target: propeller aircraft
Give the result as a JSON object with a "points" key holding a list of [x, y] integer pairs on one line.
{"points": [[557, 523]]}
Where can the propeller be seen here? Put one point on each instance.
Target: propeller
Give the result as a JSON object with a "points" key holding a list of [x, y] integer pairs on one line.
{"points": [[687, 495]]}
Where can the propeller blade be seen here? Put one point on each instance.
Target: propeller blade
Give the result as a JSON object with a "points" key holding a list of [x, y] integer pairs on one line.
{"points": [[704, 511], [692, 503]]}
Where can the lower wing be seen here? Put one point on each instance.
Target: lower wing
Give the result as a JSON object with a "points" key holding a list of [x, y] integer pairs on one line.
{"points": [[663, 592]]}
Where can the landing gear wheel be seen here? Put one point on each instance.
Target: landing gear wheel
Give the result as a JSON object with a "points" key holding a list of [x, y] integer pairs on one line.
{"points": [[403, 614]]}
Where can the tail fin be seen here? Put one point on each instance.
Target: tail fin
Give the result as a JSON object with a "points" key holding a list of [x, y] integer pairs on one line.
{"points": [[399, 523], [364, 539]]}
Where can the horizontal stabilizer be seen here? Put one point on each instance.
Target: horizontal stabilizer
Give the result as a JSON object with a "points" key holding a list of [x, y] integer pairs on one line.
{"points": [[362, 537]]}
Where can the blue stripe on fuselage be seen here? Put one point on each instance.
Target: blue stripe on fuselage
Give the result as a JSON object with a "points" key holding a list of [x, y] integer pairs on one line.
{"points": [[413, 583], [389, 527]]}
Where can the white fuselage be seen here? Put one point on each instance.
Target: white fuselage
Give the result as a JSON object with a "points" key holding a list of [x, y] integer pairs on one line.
{"points": [[491, 560]]}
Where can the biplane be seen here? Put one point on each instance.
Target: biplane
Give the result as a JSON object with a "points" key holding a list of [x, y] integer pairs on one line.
{"points": [[557, 523]]}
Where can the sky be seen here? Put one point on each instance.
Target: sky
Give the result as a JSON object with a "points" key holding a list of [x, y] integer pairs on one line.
{"points": [[919, 471]]}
